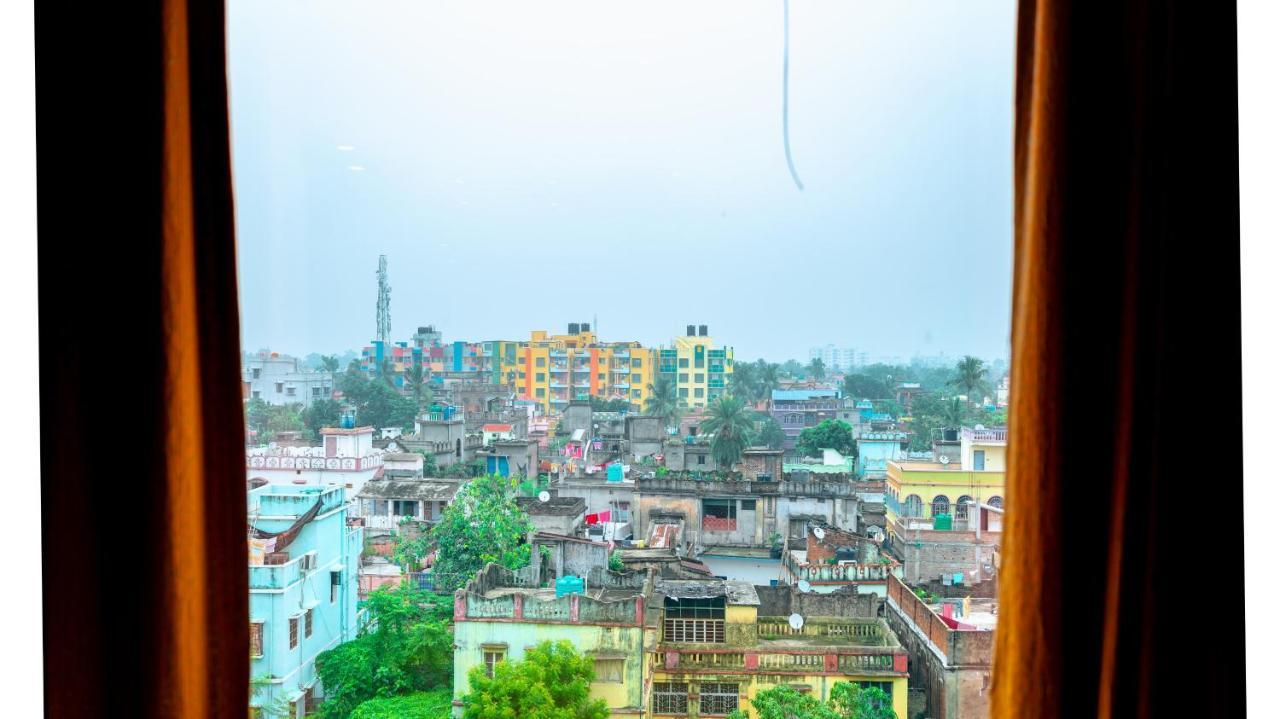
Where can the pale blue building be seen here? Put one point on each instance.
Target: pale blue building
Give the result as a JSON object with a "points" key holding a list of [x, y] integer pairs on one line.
{"points": [[303, 564], [876, 450]]}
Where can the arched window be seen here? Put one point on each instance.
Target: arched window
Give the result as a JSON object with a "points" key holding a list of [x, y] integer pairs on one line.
{"points": [[996, 502], [941, 505], [962, 506], [914, 506]]}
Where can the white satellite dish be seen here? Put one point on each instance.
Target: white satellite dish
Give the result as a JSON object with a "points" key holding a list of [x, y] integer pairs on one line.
{"points": [[819, 533], [796, 621], [803, 585], [944, 459], [544, 496]]}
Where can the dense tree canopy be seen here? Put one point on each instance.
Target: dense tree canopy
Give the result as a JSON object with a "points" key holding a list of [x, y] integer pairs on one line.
{"points": [[407, 647], [847, 701], [753, 381], [817, 369], [768, 432], [321, 413], [268, 420], [483, 524], [828, 434], [435, 704], [552, 682]]}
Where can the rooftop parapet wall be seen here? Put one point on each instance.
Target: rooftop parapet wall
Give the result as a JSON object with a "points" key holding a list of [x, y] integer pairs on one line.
{"points": [[716, 487], [959, 647], [471, 604]]}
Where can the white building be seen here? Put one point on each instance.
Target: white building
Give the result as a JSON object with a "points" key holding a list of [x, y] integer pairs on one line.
{"points": [[347, 457], [835, 358], [276, 379]]}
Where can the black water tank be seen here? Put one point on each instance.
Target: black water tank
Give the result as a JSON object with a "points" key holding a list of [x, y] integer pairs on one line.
{"points": [[586, 327], [702, 330], [688, 330], [573, 328]]}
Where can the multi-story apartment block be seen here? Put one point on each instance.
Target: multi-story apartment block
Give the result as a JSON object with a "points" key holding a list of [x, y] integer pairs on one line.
{"points": [[303, 559], [944, 516], [554, 370], [835, 359], [276, 379], [798, 409], [699, 370]]}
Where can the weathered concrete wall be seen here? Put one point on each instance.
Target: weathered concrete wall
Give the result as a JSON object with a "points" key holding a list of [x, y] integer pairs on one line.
{"points": [[782, 601], [756, 462], [926, 556]]}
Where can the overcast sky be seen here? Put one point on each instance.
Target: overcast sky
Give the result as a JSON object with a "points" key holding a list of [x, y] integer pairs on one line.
{"points": [[527, 164]]}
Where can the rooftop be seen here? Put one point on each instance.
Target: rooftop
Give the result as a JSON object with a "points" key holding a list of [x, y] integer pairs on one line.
{"points": [[412, 489], [555, 506], [734, 592]]}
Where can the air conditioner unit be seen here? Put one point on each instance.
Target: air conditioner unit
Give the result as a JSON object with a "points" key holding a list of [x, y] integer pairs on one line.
{"points": [[309, 562]]}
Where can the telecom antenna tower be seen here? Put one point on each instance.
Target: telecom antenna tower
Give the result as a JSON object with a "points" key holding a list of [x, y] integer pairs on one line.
{"points": [[384, 303]]}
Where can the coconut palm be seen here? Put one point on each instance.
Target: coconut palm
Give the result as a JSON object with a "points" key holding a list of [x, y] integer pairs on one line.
{"points": [[415, 386], [745, 382], [731, 424], [817, 370], [662, 401], [971, 375], [768, 372]]}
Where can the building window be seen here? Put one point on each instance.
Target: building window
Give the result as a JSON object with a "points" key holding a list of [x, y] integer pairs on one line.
{"points": [[635, 378], [257, 373], [255, 639], [541, 392], [315, 391], [308, 617], [257, 394], [291, 391], [886, 687], [697, 392], [279, 387], [670, 698], [748, 505], [717, 699], [698, 361], [996, 502], [979, 460], [635, 362], [914, 506], [720, 515], [609, 670], [522, 375], [600, 375], [684, 391], [635, 393], [404, 508], [493, 655], [293, 632], [684, 362], [702, 459], [540, 362], [540, 377], [699, 378], [684, 378], [962, 507], [941, 505]]}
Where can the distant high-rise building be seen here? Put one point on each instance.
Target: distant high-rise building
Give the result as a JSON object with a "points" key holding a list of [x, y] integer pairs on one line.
{"points": [[701, 370], [838, 359]]}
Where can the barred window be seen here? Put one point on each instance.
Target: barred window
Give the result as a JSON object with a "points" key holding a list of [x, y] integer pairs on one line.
{"points": [[493, 655], [293, 632], [670, 698], [717, 698], [308, 616]]}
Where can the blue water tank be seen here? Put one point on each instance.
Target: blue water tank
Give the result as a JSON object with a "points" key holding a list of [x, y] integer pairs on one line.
{"points": [[570, 585]]}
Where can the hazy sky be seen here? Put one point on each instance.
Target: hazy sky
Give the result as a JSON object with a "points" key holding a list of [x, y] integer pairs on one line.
{"points": [[528, 164]]}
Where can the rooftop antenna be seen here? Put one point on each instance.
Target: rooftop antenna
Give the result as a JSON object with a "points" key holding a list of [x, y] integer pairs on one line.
{"points": [[384, 302]]}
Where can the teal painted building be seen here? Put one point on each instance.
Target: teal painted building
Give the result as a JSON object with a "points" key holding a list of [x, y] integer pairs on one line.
{"points": [[303, 562]]}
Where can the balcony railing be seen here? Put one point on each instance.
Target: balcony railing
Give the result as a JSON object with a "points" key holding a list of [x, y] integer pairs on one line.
{"points": [[337, 464], [846, 572], [719, 524], [985, 435], [693, 630], [700, 660]]}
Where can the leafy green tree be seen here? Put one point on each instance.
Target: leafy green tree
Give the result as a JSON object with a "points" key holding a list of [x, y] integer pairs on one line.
{"points": [[483, 524], [856, 702], [828, 434], [615, 561], [435, 704], [256, 414], [385, 407], [277, 708], [662, 401], [415, 387], [792, 368], [600, 404], [847, 701], [552, 682], [730, 423], [329, 363], [817, 369], [866, 386], [407, 647], [768, 432], [970, 376], [320, 414]]}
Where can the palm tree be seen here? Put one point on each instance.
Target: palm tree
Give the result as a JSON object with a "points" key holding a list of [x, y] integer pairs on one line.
{"points": [[768, 378], [745, 381], [662, 401], [729, 420], [971, 375], [953, 413], [415, 385], [817, 370]]}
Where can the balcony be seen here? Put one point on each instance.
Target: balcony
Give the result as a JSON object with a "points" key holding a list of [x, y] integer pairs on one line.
{"points": [[558, 384], [275, 576], [558, 368], [985, 436], [622, 385]]}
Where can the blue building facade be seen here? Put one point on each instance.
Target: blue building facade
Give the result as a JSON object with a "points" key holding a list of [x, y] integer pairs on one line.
{"points": [[876, 450], [303, 566]]}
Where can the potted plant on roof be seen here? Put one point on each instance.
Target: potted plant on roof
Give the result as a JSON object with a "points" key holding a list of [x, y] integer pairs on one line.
{"points": [[775, 546]]}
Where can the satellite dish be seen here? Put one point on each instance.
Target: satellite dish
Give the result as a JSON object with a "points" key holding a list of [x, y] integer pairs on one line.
{"points": [[819, 533], [796, 621], [544, 496], [803, 585], [944, 459]]}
